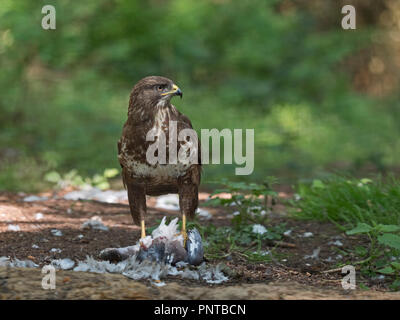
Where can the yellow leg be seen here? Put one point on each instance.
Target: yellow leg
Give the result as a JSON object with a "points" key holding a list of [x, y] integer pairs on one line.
{"points": [[143, 230], [183, 232]]}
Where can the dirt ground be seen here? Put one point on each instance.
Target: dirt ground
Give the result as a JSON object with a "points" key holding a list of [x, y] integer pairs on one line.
{"points": [[17, 283], [291, 275]]}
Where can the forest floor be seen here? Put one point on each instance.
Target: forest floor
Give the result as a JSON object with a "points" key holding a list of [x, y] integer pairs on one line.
{"points": [[292, 274]]}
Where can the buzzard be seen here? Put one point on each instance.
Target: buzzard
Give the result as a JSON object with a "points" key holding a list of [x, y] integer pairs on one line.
{"points": [[150, 109]]}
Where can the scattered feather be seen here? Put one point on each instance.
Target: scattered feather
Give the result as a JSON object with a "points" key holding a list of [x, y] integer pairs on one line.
{"points": [[202, 213], [13, 227], [64, 264], [314, 255], [34, 198], [16, 263], [90, 193], [307, 234], [56, 232], [39, 216], [158, 283], [259, 229], [297, 197], [262, 253], [94, 223], [287, 233], [336, 243], [167, 231]]}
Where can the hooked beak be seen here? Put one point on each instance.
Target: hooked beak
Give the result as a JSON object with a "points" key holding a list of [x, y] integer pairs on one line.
{"points": [[175, 91]]}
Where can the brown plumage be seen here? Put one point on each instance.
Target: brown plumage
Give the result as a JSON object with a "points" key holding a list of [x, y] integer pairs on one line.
{"points": [[150, 108]]}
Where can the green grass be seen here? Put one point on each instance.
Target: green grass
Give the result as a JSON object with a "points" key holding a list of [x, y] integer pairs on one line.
{"points": [[239, 239], [367, 209], [348, 201]]}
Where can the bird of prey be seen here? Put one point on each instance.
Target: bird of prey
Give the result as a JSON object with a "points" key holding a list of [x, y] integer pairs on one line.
{"points": [[150, 109]]}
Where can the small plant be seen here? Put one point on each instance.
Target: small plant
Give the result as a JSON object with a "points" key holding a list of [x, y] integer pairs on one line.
{"points": [[72, 178], [384, 244], [244, 242], [359, 207], [249, 200], [250, 204], [379, 235]]}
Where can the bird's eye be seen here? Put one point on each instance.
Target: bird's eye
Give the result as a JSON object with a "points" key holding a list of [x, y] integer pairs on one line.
{"points": [[160, 88]]}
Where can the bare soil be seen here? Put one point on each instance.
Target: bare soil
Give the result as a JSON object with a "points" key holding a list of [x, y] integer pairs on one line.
{"points": [[288, 276], [17, 283]]}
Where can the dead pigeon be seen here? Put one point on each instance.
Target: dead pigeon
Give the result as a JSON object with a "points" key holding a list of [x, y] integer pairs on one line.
{"points": [[165, 246]]}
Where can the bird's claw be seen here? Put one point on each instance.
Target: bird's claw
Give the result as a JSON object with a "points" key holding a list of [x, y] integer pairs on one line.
{"points": [[185, 237], [141, 243]]}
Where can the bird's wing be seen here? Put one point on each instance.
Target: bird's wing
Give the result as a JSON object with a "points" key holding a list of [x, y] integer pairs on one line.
{"points": [[120, 163], [187, 121]]}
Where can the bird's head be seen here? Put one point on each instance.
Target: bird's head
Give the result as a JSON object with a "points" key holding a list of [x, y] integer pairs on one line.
{"points": [[154, 91]]}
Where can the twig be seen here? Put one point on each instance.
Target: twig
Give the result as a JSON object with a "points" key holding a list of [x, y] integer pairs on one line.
{"points": [[332, 270], [284, 244], [339, 269]]}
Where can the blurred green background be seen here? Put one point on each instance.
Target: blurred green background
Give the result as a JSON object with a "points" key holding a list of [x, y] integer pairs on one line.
{"points": [[319, 98]]}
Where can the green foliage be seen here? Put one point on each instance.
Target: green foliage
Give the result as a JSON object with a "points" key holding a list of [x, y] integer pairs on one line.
{"points": [[364, 207], [349, 202], [64, 93], [390, 240], [384, 245], [26, 174], [249, 201], [242, 241], [382, 233], [72, 178]]}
